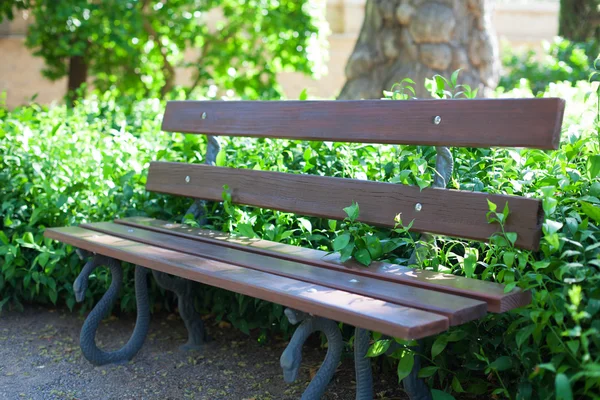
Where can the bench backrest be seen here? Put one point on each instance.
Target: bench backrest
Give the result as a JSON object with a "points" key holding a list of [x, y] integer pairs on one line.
{"points": [[533, 123]]}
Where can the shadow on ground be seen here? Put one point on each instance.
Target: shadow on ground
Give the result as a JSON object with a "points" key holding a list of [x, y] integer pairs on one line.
{"points": [[40, 359]]}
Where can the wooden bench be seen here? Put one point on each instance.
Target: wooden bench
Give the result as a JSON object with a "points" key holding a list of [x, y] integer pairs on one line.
{"points": [[319, 289]]}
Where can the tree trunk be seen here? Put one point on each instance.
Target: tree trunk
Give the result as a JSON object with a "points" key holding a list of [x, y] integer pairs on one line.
{"points": [[579, 20], [78, 72], [420, 38]]}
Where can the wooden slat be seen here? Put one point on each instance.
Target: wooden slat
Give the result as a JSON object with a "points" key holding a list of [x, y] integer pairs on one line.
{"points": [[446, 212], [532, 123], [459, 310], [490, 292], [353, 309]]}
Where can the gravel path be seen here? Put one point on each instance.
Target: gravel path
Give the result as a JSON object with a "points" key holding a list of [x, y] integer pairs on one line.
{"points": [[40, 359]]}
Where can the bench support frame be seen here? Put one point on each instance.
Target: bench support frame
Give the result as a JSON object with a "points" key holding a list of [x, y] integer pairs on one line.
{"points": [[184, 289], [292, 356], [87, 337]]}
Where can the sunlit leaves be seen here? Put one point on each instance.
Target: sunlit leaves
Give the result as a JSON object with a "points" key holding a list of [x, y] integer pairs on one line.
{"points": [[228, 48]]}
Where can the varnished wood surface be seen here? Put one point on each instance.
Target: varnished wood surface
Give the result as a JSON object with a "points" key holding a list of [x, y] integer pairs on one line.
{"points": [[442, 211], [532, 123], [489, 292], [459, 310], [350, 308]]}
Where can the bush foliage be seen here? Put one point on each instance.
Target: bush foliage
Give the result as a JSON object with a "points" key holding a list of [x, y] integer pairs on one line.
{"points": [[65, 166], [561, 60]]}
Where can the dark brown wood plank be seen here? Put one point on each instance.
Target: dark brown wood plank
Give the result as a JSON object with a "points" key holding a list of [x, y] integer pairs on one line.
{"points": [[442, 211], [349, 308], [458, 310], [468, 123], [490, 292]]}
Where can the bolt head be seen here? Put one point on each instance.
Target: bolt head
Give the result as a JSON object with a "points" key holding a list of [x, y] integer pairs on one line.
{"points": [[437, 120], [203, 115], [187, 179], [418, 207]]}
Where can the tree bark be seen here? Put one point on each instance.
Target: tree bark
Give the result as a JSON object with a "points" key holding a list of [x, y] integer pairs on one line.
{"points": [[420, 38], [78, 72], [579, 20]]}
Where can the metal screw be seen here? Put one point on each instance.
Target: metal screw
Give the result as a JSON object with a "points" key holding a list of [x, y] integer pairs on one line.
{"points": [[203, 115], [437, 120], [353, 281], [418, 207], [129, 230], [187, 179]]}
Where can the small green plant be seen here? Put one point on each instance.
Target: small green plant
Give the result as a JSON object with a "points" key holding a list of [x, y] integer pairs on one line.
{"points": [[357, 239], [444, 88]]}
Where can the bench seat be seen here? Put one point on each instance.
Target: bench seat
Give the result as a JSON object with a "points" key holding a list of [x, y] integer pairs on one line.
{"points": [[493, 294], [393, 302]]}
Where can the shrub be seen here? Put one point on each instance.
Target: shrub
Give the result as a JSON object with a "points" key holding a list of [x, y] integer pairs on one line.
{"points": [[62, 167], [561, 60]]}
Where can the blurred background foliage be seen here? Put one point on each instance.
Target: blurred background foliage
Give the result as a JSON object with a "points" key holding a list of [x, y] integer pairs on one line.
{"points": [[134, 46]]}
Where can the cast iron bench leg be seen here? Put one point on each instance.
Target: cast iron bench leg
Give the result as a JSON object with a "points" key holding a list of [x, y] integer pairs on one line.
{"points": [[183, 288], [362, 365], [87, 337], [292, 355]]}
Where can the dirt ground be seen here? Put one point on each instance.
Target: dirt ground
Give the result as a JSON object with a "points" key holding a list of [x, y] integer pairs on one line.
{"points": [[40, 359]]}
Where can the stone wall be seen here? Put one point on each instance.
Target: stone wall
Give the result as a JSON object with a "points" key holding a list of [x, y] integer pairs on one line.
{"points": [[522, 23]]}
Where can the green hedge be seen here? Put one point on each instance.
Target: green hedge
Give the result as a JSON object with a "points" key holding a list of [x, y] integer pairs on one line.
{"points": [[66, 166]]}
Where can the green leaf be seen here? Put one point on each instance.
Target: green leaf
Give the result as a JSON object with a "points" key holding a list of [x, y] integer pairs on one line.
{"points": [[303, 95], [509, 287], [405, 365], [346, 252], [363, 257], [374, 246], [307, 154], [378, 348], [341, 242], [243, 326], [540, 264], [246, 230], [512, 237], [332, 224], [28, 238], [501, 363], [352, 211], [428, 371], [523, 334], [547, 366], [551, 227], [3, 238], [305, 224], [221, 159], [594, 166], [456, 386], [563, 387], [439, 395], [438, 346], [470, 261], [454, 77], [509, 258], [591, 211]]}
